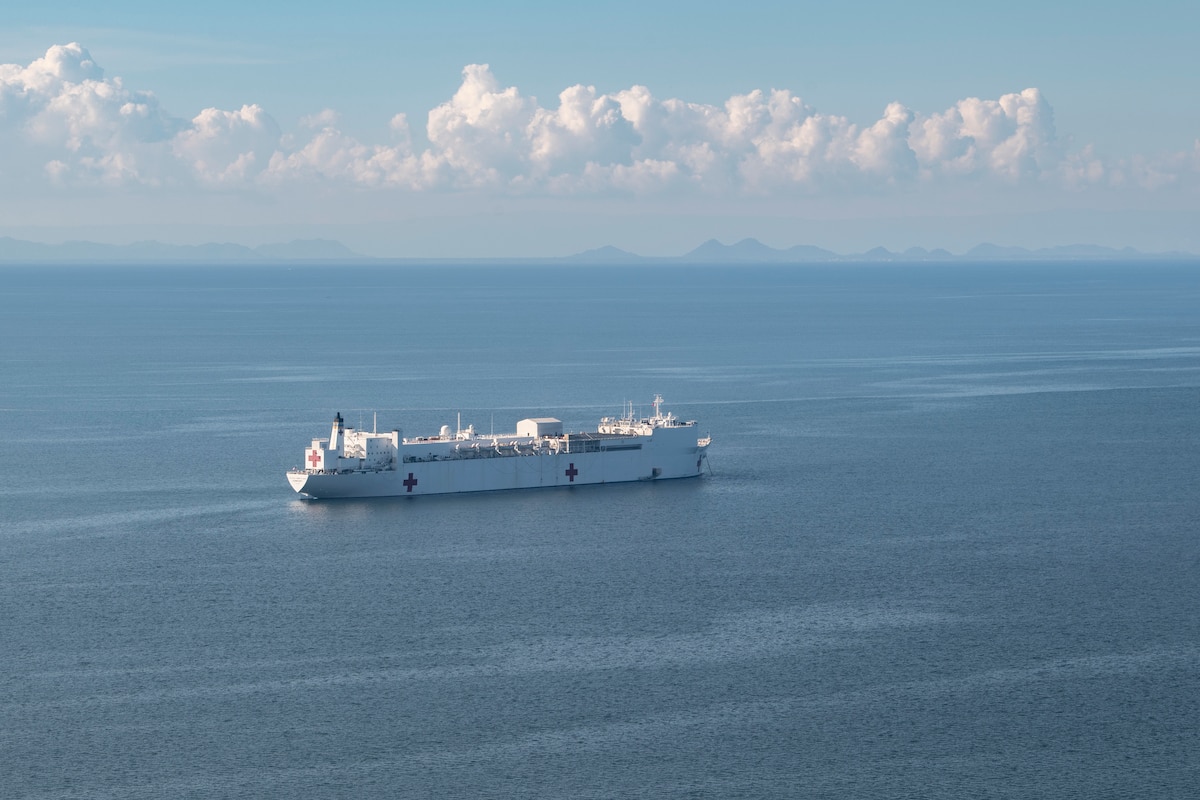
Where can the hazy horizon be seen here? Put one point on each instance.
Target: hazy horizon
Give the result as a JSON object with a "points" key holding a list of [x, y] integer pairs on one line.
{"points": [[533, 132], [747, 251]]}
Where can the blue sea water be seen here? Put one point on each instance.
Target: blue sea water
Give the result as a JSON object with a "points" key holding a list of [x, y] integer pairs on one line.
{"points": [[948, 547]]}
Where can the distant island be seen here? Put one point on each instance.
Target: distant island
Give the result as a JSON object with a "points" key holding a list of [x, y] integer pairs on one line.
{"points": [[747, 251]]}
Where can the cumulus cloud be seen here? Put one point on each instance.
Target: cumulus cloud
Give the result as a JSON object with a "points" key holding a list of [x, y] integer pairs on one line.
{"points": [[332, 156], [586, 128], [325, 118], [480, 133], [223, 147], [1012, 138], [62, 121], [62, 104]]}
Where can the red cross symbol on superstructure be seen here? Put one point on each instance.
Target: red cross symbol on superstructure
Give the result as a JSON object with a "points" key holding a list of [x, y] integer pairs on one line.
{"points": [[315, 458], [572, 472], [409, 482]]}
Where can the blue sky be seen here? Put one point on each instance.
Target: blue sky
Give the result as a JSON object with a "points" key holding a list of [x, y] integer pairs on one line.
{"points": [[923, 123]]}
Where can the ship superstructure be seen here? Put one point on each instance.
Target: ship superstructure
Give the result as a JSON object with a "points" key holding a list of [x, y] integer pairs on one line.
{"points": [[357, 463]]}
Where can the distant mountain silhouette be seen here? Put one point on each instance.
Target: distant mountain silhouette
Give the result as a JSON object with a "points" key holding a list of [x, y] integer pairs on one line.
{"points": [[746, 251], [607, 255], [921, 254], [754, 251], [808, 252], [879, 254]]}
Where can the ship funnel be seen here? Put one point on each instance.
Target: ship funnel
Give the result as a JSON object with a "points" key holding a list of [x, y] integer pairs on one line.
{"points": [[335, 436]]}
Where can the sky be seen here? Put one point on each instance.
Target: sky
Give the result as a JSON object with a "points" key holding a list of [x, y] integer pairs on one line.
{"points": [[544, 129]]}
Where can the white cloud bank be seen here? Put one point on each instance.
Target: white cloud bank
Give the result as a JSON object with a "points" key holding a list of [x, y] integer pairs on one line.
{"points": [[63, 122]]}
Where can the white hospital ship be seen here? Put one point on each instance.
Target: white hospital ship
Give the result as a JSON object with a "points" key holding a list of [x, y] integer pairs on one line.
{"points": [[353, 463]]}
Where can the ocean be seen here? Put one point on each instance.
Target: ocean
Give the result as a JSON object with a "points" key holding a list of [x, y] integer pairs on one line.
{"points": [[947, 547]]}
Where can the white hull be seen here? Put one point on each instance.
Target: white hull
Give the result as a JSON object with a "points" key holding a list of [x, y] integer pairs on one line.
{"points": [[621, 451], [494, 474]]}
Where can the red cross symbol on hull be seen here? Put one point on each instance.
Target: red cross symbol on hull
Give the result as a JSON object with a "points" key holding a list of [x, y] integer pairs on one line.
{"points": [[315, 458], [572, 472], [409, 482]]}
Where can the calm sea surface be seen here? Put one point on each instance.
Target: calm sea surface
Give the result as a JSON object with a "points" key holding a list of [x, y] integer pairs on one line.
{"points": [[949, 548]]}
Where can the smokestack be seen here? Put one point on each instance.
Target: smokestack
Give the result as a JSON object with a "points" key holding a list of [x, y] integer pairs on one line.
{"points": [[335, 437]]}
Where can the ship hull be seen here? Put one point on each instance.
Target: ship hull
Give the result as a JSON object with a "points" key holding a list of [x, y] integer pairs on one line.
{"points": [[354, 463], [456, 476]]}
